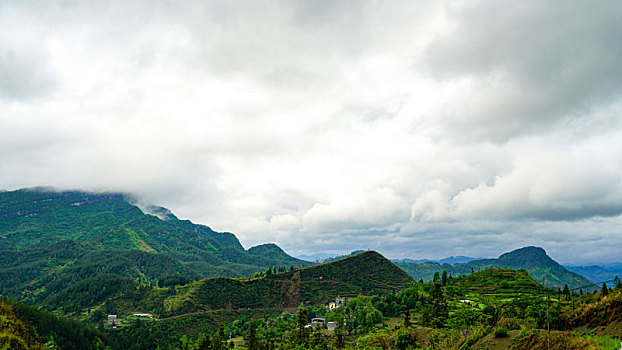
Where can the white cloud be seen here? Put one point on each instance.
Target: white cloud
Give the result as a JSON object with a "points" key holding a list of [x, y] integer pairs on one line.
{"points": [[409, 127]]}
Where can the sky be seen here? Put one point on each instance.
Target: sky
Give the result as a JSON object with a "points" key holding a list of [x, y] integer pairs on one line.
{"points": [[420, 129]]}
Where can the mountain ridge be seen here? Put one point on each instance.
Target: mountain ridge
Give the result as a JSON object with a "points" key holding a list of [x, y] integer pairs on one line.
{"points": [[532, 259]]}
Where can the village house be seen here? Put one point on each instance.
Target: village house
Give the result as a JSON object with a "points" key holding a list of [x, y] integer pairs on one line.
{"points": [[316, 323], [113, 320], [339, 302]]}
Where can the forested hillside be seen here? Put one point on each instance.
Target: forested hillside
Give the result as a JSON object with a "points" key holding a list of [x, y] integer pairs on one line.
{"points": [[23, 327]]}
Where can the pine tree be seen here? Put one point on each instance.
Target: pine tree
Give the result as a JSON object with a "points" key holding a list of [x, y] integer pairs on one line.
{"points": [[604, 291]]}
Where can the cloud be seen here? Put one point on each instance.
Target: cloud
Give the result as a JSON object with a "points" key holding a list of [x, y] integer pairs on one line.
{"points": [[525, 67], [410, 127]]}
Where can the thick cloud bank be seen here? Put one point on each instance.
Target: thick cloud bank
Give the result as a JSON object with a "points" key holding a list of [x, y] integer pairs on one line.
{"points": [[417, 128]]}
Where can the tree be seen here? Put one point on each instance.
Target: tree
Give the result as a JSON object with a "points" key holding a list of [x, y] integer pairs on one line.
{"points": [[566, 291], [301, 335], [604, 291], [251, 340], [444, 278], [436, 277], [402, 339], [407, 318], [617, 283], [437, 311]]}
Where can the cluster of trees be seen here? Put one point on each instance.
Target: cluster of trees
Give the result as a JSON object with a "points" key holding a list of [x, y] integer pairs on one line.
{"points": [[273, 270]]}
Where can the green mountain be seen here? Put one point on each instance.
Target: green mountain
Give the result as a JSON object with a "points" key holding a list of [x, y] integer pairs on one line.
{"points": [[532, 259], [366, 273], [274, 252], [51, 239]]}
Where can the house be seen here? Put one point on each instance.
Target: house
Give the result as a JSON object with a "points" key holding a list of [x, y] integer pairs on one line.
{"points": [[143, 315], [331, 325], [316, 323], [113, 320], [339, 302]]}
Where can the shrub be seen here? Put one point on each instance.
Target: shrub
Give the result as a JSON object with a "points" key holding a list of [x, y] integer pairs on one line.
{"points": [[501, 332]]}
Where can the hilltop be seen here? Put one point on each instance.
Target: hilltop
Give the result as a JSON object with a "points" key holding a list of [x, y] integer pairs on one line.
{"points": [[532, 259]]}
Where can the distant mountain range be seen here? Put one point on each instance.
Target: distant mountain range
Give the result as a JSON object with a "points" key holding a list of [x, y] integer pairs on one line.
{"points": [[532, 259], [598, 273], [451, 260]]}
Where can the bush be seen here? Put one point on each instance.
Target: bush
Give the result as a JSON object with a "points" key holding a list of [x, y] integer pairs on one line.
{"points": [[501, 332]]}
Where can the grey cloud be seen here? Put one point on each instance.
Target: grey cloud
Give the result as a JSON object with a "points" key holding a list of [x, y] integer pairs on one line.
{"points": [[289, 121], [24, 70], [531, 65]]}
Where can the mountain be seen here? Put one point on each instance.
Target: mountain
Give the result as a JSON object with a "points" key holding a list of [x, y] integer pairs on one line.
{"points": [[532, 259], [597, 273], [450, 260], [274, 252], [364, 273], [417, 261], [339, 257], [314, 257], [460, 259], [51, 239]]}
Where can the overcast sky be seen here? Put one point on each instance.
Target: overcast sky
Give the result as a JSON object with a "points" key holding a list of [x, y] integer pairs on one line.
{"points": [[420, 129]]}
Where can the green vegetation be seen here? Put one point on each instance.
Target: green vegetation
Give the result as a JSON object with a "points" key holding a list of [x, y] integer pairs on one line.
{"points": [[513, 314], [87, 256], [367, 273], [109, 221], [51, 240], [24, 327]]}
